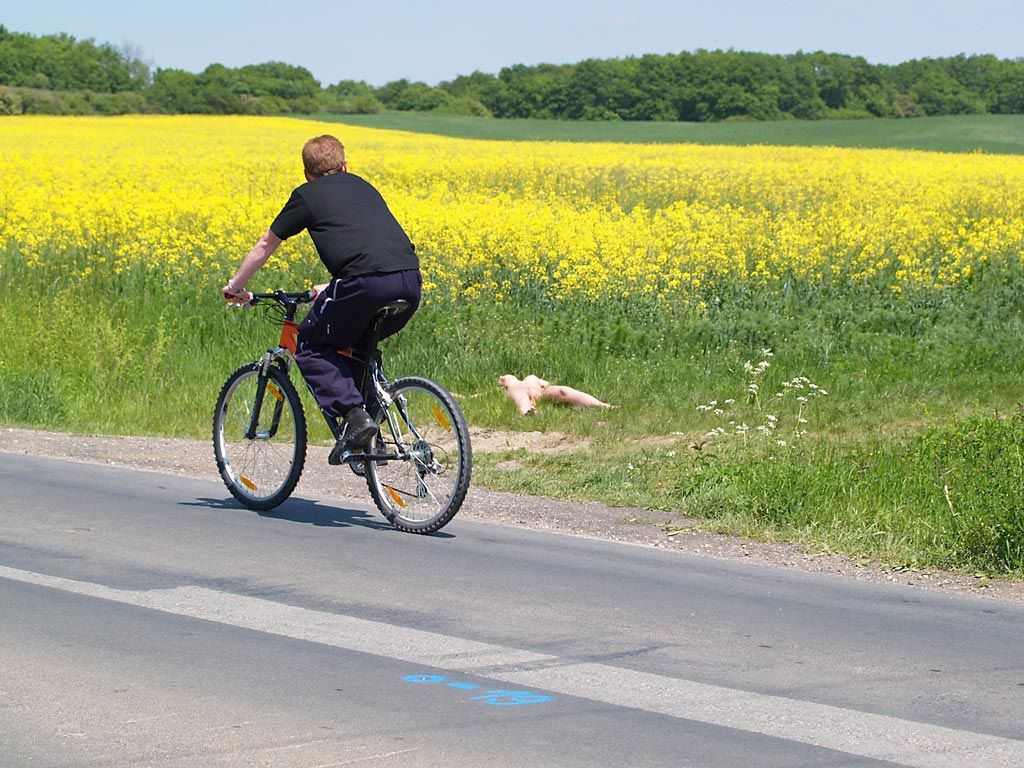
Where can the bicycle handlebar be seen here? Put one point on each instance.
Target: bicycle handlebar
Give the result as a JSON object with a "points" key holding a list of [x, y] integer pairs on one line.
{"points": [[284, 298]]}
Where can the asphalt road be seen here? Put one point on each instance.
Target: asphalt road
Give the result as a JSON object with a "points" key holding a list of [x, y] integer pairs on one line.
{"points": [[146, 620]]}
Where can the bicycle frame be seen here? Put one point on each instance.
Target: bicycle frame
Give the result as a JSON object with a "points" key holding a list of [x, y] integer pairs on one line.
{"points": [[373, 387], [373, 384]]}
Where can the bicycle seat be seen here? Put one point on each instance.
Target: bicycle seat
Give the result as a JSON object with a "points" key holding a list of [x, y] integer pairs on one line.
{"points": [[393, 308]]}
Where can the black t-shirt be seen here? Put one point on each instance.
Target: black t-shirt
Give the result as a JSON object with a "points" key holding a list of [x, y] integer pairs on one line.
{"points": [[351, 226]]}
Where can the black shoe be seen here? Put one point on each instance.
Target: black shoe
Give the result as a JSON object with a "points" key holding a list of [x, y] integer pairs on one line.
{"points": [[356, 432]]}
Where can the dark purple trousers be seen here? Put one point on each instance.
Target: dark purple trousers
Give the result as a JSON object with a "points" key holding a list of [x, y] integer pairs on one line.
{"points": [[341, 317]]}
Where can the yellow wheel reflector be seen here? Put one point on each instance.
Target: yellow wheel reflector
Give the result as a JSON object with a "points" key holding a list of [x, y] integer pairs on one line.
{"points": [[247, 482], [275, 391], [395, 496], [441, 417]]}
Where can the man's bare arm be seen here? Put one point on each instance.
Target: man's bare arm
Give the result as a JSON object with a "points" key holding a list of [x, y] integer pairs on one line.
{"points": [[256, 258]]}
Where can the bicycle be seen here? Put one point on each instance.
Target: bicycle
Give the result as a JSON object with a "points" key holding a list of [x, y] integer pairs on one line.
{"points": [[417, 467]]}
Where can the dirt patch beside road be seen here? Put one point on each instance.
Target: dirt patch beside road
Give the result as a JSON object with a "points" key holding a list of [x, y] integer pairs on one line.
{"points": [[193, 458], [493, 441]]}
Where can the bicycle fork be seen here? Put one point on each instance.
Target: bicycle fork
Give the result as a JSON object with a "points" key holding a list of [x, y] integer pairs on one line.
{"points": [[264, 386]]}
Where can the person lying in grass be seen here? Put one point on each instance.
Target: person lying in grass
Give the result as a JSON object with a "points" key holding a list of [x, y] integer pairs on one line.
{"points": [[526, 392]]}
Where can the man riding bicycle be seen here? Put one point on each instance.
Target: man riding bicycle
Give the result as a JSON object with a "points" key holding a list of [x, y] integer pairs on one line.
{"points": [[371, 261]]}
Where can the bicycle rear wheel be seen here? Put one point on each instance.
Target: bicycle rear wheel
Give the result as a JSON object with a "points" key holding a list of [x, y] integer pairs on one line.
{"points": [[421, 491], [260, 471]]}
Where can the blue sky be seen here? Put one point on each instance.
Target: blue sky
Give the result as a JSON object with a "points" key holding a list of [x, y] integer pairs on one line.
{"points": [[435, 41]]}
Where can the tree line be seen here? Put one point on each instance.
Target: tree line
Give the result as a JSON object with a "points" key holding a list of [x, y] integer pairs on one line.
{"points": [[58, 74]]}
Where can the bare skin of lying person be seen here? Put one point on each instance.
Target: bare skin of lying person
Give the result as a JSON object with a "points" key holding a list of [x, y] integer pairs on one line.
{"points": [[526, 392]]}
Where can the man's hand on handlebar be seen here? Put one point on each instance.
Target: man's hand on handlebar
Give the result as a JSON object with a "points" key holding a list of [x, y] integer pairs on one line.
{"points": [[233, 295]]}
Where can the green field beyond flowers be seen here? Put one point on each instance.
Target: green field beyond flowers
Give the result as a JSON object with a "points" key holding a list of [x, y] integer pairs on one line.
{"points": [[995, 134]]}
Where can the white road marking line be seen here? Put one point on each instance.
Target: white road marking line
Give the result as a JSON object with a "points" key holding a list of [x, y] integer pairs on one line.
{"points": [[878, 737]]}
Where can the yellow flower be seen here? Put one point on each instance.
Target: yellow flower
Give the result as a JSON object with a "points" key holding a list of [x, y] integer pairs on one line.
{"points": [[185, 194]]}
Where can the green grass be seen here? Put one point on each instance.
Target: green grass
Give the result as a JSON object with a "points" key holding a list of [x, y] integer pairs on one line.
{"points": [[952, 496], [912, 458], [997, 134]]}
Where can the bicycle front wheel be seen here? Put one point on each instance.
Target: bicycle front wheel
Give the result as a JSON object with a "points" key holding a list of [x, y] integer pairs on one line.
{"points": [[260, 466], [423, 488]]}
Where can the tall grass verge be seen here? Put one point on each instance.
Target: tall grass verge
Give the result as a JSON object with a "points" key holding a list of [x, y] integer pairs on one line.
{"points": [[951, 496]]}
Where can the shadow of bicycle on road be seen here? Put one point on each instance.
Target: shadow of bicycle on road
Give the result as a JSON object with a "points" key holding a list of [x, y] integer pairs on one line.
{"points": [[298, 510]]}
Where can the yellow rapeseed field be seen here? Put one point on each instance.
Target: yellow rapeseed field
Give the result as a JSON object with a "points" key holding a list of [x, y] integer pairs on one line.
{"points": [[189, 195]]}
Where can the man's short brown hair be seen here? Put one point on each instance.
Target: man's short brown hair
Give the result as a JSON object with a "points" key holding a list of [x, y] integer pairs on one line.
{"points": [[323, 155]]}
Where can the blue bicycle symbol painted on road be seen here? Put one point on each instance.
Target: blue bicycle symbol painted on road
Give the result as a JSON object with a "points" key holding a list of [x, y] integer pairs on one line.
{"points": [[491, 698], [511, 698]]}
